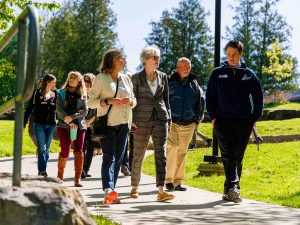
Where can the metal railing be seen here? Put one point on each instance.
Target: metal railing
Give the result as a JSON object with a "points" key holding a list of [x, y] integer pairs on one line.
{"points": [[27, 64]]}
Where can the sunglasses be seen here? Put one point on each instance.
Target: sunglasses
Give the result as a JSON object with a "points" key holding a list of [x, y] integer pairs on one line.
{"points": [[155, 57], [87, 81]]}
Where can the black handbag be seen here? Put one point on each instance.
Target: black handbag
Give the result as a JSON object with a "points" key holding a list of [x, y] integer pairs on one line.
{"points": [[99, 127]]}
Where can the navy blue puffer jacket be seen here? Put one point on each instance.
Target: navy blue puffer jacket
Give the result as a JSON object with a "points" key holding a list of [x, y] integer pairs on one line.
{"points": [[186, 100]]}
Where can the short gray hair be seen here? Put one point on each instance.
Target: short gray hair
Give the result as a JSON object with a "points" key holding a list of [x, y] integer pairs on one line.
{"points": [[183, 59], [148, 52]]}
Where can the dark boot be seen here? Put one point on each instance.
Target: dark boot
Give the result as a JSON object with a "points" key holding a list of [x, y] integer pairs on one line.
{"points": [[61, 167], [78, 165]]}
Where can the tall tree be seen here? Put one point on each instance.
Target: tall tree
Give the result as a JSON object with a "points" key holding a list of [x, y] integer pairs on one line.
{"points": [[84, 31], [257, 24], [58, 47], [244, 27], [184, 32], [279, 73], [96, 23], [270, 25], [9, 11]]}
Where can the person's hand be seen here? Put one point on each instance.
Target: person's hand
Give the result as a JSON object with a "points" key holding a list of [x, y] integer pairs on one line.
{"points": [[73, 126], [67, 119], [213, 122], [88, 123], [115, 101], [126, 101], [92, 119]]}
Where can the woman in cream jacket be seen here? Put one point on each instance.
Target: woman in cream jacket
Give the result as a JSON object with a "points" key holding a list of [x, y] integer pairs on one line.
{"points": [[119, 118]]}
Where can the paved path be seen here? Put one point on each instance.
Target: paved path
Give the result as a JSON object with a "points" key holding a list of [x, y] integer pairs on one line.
{"points": [[194, 206]]}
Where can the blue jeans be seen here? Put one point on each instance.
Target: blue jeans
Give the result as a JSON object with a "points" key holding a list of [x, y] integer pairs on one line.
{"points": [[43, 134], [113, 147]]}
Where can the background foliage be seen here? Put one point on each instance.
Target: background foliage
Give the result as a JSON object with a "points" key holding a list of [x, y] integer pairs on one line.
{"points": [[184, 32], [81, 32]]}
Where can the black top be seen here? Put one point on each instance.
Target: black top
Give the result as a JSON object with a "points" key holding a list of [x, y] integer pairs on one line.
{"points": [[234, 93], [42, 109]]}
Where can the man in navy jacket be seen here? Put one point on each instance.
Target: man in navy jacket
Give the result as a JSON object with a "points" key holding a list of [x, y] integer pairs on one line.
{"points": [[234, 102], [187, 107]]}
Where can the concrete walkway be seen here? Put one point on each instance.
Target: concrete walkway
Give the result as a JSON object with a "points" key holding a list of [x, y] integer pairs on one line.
{"points": [[194, 206]]}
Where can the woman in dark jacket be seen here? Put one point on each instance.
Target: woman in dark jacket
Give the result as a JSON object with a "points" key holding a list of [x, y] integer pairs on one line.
{"points": [[42, 107], [89, 144], [71, 112]]}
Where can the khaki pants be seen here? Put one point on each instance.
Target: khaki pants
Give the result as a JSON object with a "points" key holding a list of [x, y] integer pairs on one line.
{"points": [[178, 141]]}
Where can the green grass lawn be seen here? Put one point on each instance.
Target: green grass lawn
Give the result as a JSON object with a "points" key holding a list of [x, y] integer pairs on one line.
{"points": [[270, 175], [102, 220], [282, 105], [7, 137], [270, 127]]}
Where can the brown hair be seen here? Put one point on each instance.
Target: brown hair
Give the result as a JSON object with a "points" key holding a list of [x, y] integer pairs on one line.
{"points": [[235, 44], [107, 64], [89, 77], [81, 90], [44, 82]]}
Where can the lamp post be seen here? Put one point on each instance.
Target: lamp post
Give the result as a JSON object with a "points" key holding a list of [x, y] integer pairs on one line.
{"points": [[213, 166]]}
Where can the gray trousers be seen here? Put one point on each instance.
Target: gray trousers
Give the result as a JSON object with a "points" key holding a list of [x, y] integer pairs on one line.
{"points": [[159, 131]]}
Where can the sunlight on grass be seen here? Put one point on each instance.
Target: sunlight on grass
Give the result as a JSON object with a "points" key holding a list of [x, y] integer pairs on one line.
{"points": [[7, 137], [271, 175], [270, 127], [282, 105], [102, 220]]}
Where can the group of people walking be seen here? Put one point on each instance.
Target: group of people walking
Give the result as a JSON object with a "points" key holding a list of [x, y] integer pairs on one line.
{"points": [[152, 104]]}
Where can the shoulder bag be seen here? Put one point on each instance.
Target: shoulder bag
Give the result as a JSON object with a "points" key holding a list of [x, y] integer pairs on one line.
{"points": [[99, 127]]}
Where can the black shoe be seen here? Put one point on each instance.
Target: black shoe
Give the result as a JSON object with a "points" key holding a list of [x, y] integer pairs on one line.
{"points": [[44, 174], [83, 174], [88, 175], [180, 188], [191, 147], [208, 142], [170, 186], [234, 195], [125, 171]]}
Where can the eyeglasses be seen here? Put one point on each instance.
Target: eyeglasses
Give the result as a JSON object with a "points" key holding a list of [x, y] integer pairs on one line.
{"points": [[155, 57], [87, 81]]}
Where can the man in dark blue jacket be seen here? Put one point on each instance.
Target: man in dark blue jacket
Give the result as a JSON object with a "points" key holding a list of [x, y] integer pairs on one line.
{"points": [[187, 106], [234, 102]]}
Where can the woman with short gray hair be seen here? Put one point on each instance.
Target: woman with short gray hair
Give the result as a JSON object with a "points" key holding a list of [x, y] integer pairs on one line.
{"points": [[151, 116]]}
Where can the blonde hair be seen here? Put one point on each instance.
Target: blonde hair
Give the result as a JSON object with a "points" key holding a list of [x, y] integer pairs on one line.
{"points": [[148, 52], [81, 90]]}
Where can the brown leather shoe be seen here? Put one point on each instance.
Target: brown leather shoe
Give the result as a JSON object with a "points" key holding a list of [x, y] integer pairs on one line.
{"points": [[134, 193], [164, 196]]}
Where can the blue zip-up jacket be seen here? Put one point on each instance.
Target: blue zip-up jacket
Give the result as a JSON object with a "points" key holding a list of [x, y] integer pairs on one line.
{"points": [[187, 104], [234, 93]]}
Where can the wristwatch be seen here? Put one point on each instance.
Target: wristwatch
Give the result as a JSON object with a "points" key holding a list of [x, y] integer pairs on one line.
{"points": [[106, 101]]}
